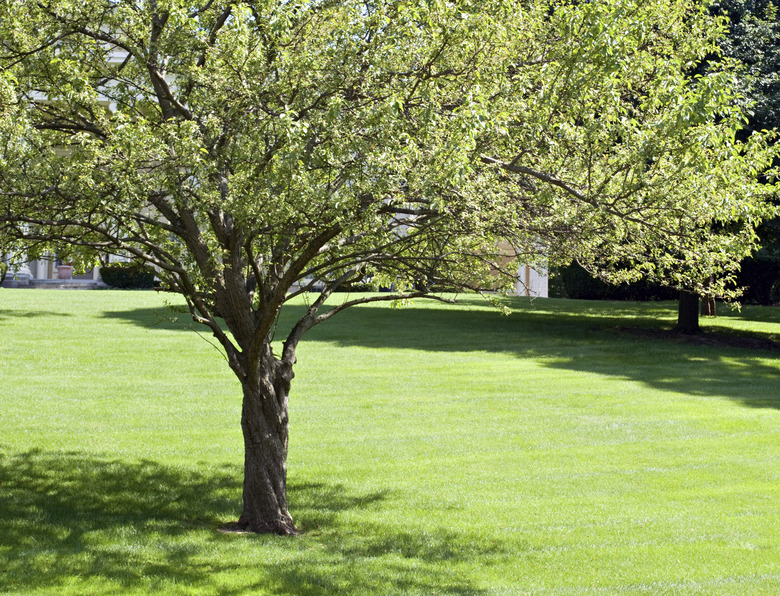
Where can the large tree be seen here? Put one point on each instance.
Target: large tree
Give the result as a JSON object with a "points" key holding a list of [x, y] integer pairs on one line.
{"points": [[253, 151], [754, 39]]}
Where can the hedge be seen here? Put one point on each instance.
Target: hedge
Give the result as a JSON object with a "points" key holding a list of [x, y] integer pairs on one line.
{"points": [[127, 275]]}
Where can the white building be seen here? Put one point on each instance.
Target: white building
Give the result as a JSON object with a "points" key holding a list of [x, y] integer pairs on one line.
{"points": [[532, 282], [51, 273], [48, 273]]}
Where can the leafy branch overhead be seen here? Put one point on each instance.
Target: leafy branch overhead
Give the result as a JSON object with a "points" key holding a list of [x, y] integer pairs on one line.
{"points": [[298, 125], [255, 150]]}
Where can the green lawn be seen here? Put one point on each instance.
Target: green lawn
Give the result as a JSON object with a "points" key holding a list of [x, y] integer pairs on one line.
{"points": [[434, 450]]}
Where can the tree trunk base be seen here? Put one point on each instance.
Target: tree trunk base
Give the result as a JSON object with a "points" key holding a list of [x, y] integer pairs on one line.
{"points": [[239, 527], [264, 422], [688, 313]]}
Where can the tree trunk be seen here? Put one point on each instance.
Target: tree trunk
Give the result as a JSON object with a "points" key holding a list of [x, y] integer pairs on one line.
{"points": [[264, 421], [708, 302], [688, 313], [708, 306]]}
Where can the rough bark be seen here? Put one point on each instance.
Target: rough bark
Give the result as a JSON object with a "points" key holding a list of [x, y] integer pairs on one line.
{"points": [[688, 313], [264, 421]]}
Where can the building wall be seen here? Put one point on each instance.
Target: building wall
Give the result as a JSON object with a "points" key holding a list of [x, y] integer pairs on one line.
{"points": [[532, 282]]}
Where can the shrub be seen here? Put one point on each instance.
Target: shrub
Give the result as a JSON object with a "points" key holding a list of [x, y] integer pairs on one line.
{"points": [[759, 276], [127, 275], [575, 282]]}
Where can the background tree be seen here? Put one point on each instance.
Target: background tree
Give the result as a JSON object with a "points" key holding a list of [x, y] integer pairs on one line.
{"points": [[754, 39], [254, 150]]}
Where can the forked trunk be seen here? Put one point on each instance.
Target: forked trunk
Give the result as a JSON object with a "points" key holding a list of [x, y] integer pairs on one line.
{"points": [[264, 421]]}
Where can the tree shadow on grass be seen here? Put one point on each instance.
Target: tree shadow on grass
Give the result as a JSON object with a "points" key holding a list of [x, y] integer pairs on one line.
{"points": [[68, 514], [121, 527], [593, 340], [570, 335], [170, 318], [14, 314]]}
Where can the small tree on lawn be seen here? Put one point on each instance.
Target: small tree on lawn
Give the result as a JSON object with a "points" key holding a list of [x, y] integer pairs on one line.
{"points": [[253, 151]]}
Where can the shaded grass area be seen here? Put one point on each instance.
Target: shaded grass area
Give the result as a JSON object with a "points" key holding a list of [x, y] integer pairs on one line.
{"points": [[572, 334], [71, 520], [587, 337], [434, 450], [71, 515]]}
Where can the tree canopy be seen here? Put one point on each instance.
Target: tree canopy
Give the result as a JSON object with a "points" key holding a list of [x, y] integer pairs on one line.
{"points": [[754, 39], [253, 151]]}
